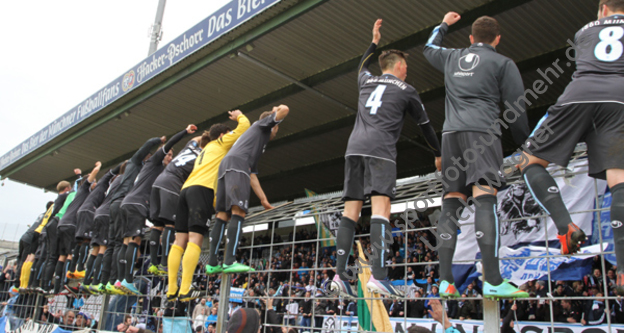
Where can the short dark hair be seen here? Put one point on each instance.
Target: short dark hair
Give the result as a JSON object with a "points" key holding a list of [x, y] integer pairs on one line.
{"points": [[50, 203], [265, 114], [389, 58], [216, 130], [418, 329], [485, 29], [614, 5]]}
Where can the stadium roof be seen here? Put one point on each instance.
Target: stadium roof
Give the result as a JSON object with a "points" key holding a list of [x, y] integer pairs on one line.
{"points": [[304, 54]]}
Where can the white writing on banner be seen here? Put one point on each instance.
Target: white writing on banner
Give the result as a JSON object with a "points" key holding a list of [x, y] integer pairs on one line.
{"points": [[228, 17], [337, 324]]}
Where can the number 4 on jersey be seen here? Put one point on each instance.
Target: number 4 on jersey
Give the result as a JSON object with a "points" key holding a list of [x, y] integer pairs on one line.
{"points": [[374, 101]]}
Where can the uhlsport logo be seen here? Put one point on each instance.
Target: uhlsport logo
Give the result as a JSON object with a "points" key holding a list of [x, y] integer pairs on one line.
{"points": [[128, 81], [341, 252], [479, 234], [616, 224], [446, 236], [469, 62], [553, 189]]}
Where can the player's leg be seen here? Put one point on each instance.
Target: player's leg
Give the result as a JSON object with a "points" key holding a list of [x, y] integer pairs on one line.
{"points": [[133, 237], [95, 250], [200, 204], [235, 229], [380, 184], [166, 241], [174, 259], [52, 245], [353, 196], [615, 180], [83, 256], [554, 140], [155, 231], [218, 230], [455, 192]]}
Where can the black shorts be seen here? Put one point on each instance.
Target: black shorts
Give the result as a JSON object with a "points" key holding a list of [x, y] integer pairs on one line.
{"points": [[133, 220], [27, 244], [367, 176], [194, 209], [99, 235], [85, 225], [600, 125], [470, 158], [163, 207], [115, 230], [233, 189], [52, 237], [66, 239]]}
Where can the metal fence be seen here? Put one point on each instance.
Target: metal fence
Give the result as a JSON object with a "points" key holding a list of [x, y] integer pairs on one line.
{"points": [[292, 250]]}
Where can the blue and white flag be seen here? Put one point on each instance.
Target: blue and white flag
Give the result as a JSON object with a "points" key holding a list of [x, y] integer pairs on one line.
{"points": [[522, 225]]}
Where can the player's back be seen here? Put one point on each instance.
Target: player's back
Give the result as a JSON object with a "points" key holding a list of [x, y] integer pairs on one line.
{"points": [[178, 170], [382, 104], [474, 79], [599, 74]]}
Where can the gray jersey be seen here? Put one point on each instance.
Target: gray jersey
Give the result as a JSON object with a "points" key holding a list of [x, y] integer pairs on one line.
{"points": [[176, 173], [133, 168], [104, 209], [69, 218], [97, 195], [599, 75], [245, 153], [382, 105], [477, 81]]}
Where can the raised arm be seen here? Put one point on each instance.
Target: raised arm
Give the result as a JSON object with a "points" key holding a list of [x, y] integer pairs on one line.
{"points": [[190, 129], [94, 172], [434, 52], [512, 93], [366, 58], [140, 154], [255, 185], [243, 125], [281, 112]]}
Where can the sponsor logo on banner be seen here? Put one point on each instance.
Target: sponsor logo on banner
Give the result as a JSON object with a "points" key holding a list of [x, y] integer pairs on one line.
{"points": [[225, 19], [128, 81]]}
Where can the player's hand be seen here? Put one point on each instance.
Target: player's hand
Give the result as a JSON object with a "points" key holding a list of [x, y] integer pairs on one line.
{"points": [[163, 139], [98, 164], [451, 18], [376, 33], [234, 114], [438, 163], [77, 171], [265, 203], [190, 129], [437, 313]]}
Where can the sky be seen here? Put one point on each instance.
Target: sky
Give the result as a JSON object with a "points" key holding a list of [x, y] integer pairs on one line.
{"points": [[54, 55]]}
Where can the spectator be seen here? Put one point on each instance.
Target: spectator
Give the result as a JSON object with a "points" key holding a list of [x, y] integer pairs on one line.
{"points": [[465, 308], [212, 317], [292, 310], [396, 309], [199, 308], [319, 310], [66, 321], [305, 308], [594, 280], [416, 306], [595, 312], [200, 319], [508, 322], [569, 313]]}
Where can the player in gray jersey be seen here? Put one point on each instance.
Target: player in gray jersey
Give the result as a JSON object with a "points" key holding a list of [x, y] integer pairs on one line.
{"points": [[164, 202], [67, 231], [477, 81], [85, 227], [591, 109], [101, 224], [135, 206], [370, 160], [238, 174]]}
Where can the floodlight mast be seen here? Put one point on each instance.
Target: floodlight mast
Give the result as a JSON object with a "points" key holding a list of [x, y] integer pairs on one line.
{"points": [[156, 33]]}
